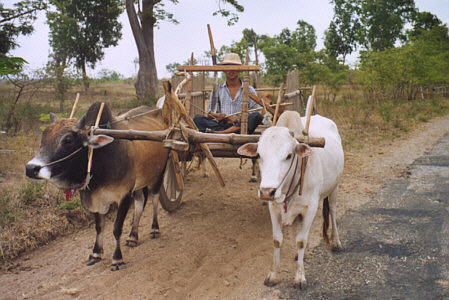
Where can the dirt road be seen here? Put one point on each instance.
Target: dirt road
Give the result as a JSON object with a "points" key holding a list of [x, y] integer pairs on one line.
{"points": [[218, 245]]}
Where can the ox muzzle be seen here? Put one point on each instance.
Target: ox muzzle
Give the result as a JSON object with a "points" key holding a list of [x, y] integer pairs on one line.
{"points": [[267, 194], [32, 170]]}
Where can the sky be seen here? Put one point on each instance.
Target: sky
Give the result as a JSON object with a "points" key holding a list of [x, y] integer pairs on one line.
{"points": [[175, 43]]}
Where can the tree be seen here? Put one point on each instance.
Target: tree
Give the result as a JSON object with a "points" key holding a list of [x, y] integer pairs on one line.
{"points": [[383, 21], [288, 51], [13, 23], [422, 22], [341, 37], [83, 28], [149, 14]]}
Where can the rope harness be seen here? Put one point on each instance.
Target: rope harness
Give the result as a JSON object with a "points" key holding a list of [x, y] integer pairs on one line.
{"points": [[287, 194]]}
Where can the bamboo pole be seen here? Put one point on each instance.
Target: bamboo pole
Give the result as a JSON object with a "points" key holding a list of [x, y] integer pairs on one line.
{"points": [[74, 106], [245, 100], [189, 89], [306, 135], [91, 150], [260, 108], [276, 112]]}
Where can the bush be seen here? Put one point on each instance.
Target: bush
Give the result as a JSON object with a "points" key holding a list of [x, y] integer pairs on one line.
{"points": [[31, 192], [70, 205]]}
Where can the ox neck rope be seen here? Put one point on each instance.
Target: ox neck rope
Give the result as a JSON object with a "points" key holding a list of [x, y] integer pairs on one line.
{"points": [[70, 192], [287, 194]]}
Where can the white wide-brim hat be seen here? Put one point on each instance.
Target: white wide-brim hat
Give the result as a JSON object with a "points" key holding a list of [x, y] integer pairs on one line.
{"points": [[231, 59]]}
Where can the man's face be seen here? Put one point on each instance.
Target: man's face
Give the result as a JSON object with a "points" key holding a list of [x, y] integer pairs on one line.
{"points": [[231, 75]]}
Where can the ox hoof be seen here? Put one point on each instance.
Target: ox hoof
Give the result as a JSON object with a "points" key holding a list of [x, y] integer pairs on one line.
{"points": [[155, 234], [253, 179], [131, 243], [336, 246], [118, 266], [270, 281], [93, 260], [300, 286]]}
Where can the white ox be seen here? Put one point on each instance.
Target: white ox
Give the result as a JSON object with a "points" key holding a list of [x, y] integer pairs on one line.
{"points": [[280, 170]]}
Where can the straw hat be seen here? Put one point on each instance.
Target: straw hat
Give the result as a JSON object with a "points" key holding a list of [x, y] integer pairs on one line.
{"points": [[231, 59]]}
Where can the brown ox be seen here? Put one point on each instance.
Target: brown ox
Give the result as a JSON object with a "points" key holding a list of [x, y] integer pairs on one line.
{"points": [[122, 170]]}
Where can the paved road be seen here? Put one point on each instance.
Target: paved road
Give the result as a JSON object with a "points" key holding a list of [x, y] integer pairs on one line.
{"points": [[396, 246]]}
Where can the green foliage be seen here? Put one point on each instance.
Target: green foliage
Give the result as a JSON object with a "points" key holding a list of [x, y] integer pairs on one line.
{"points": [[70, 205], [383, 21], [402, 71], [45, 117], [11, 65], [373, 24], [31, 192], [109, 75], [17, 21], [342, 34], [288, 50], [80, 30], [231, 16], [13, 117]]}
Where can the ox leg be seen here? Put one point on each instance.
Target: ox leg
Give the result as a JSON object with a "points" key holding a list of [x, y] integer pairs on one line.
{"points": [[272, 278], [335, 239], [139, 204], [301, 242], [98, 248], [254, 170], [117, 259], [155, 233]]}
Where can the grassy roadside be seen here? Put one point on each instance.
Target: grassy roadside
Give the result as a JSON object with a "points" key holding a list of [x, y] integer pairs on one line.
{"points": [[32, 213]]}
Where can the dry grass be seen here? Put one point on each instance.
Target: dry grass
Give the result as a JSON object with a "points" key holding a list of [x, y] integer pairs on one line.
{"points": [[31, 213]]}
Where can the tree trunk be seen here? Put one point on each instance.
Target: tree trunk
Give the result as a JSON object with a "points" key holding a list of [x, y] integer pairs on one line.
{"points": [[85, 78], [146, 84], [60, 86]]}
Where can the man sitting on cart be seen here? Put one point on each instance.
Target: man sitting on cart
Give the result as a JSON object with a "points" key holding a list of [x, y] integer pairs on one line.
{"points": [[222, 117]]}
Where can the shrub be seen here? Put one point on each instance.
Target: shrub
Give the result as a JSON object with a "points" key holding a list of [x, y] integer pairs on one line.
{"points": [[31, 192], [70, 205]]}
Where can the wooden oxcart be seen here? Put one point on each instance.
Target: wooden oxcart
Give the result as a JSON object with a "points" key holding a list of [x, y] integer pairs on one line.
{"points": [[184, 141]]}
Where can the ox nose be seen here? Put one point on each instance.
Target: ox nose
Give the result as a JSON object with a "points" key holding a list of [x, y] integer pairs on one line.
{"points": [[32, 170], [267, 193]]}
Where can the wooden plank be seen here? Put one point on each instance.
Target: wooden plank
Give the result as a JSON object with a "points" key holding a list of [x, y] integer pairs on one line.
{"points": [[218, 68]]}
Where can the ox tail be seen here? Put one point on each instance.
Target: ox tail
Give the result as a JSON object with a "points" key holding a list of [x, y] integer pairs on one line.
{"points": [[145, 196], [326, 220]]}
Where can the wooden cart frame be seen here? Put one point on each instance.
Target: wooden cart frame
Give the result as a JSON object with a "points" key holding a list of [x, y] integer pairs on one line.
{"points": [[183, 141]]}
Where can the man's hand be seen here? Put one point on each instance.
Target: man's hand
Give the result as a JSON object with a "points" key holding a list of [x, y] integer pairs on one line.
{"points": [[218, 116], [231, 119]]}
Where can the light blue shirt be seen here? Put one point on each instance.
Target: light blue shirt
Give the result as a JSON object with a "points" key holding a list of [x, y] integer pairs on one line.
{"points": [[228, 106]]}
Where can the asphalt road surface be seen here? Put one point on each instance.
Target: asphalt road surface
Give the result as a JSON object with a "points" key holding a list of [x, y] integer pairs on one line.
{"points": [[395, 247]]}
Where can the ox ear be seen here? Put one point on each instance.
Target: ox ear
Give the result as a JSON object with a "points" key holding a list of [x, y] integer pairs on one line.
{"points": [[53, 117], [303, 150], [98, 141], [249, 149]]}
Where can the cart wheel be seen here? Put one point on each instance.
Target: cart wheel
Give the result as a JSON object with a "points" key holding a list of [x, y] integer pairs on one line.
{"points": [[170, 194]]}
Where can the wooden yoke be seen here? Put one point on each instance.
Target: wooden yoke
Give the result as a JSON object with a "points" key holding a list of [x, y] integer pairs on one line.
{"points": [[172, 106]]}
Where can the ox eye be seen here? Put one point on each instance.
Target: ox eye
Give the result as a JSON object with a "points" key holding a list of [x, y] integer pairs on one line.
{"points": [[288, 156], [68, 140]]}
